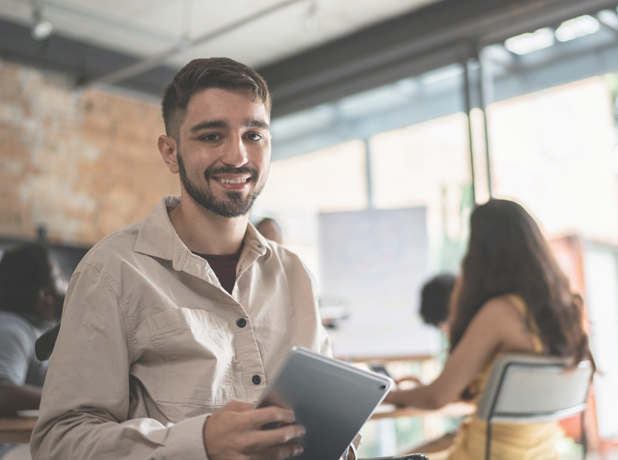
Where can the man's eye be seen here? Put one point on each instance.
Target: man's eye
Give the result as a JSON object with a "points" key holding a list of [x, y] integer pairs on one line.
{"points": [[211, 137], [254, 137]]}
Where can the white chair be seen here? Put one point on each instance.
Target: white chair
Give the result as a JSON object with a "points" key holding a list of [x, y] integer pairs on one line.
{"points": [[524, 388]]}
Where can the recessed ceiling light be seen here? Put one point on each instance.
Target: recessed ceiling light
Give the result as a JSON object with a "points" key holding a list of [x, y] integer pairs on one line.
{"points": [[578, 27], [527, 43]]}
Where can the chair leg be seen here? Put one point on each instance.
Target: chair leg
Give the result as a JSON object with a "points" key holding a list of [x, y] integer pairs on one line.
{"points": [[488, 440]]}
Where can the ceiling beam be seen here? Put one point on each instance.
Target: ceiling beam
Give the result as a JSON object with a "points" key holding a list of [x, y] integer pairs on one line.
{"points": [[76, 59], [425, 39], [575, 60], [437, 35]]}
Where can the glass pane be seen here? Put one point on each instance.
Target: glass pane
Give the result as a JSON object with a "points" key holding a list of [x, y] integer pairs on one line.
{"points": [[298, 188], [428, 164]]}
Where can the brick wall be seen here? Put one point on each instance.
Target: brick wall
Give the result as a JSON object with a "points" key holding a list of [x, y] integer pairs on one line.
{"points": [[82, 162]]}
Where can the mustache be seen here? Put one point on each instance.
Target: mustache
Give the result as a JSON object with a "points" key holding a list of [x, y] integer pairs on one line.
{"points": [[211, 171]]}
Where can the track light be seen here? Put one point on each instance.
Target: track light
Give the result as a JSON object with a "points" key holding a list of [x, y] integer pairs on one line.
{"points": [[42, 28], [311, 20]]}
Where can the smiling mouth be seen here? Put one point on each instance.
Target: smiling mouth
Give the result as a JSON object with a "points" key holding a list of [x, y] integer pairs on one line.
{"points": [[231, 181]]}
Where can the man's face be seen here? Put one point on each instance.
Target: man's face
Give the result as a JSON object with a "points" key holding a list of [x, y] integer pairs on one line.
{"points": [[223, 150]]}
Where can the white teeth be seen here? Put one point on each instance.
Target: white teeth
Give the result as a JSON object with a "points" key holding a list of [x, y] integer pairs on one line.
{"points": [[231, 181]]}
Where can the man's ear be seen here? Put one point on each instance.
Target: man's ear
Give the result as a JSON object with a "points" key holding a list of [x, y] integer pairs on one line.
{"points": [[168, 148]]}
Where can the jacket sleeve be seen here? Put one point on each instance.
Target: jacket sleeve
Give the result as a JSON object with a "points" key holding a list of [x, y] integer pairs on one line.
{"points": [[85, 405]]}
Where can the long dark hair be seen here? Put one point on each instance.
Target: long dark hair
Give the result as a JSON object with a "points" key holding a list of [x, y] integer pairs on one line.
{"points": [[507, 254]]}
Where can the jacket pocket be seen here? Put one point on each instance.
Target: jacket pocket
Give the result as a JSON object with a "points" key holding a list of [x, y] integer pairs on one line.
{"points": [[197, 353]]}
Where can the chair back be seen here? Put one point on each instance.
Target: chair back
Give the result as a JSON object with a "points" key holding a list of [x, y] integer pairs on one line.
{"points": [[524, 388]]}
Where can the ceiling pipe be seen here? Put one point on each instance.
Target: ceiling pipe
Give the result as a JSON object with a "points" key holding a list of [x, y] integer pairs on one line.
{"points": [[157, 59]]}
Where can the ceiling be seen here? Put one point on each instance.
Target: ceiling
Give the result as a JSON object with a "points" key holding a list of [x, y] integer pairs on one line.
{"points": [[309, 51], [269, 30]]}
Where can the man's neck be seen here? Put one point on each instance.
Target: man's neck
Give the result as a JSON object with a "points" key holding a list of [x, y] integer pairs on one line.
{"points": [[207, 233]]}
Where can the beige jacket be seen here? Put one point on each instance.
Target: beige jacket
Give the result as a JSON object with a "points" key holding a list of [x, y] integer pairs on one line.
{"points": [[151, 343]]}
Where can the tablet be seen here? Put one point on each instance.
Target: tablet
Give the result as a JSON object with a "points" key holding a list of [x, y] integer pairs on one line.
{"points": [[330, 398]]}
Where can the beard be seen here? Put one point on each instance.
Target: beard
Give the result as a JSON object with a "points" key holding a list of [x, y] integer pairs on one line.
{"points": [[236, 205]]}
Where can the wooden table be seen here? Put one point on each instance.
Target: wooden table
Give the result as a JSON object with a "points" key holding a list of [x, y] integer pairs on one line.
{"points": [[456, 409], [16, 430]]}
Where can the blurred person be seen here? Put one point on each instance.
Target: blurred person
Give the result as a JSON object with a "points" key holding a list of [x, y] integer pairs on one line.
{"points": [[31, 296], [173, 325], [435, 300], [513, 298], [270, 229]]}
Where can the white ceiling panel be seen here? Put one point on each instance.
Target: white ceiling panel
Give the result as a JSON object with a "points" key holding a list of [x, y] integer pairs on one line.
{"points": [[142, 28]]}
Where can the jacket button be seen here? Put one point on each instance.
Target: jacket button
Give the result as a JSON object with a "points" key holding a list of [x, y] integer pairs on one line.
{"points": [[242, 322], [256, 379]]}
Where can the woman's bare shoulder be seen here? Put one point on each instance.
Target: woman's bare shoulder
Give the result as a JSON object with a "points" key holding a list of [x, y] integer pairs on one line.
{"points": [[504, 318], [496, 317], [499, 308]]}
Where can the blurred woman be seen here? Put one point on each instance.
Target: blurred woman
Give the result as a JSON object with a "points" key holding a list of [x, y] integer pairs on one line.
{"points": [[513, 298]]}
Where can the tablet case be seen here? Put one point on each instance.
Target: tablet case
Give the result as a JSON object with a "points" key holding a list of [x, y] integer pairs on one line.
{"points": [[330, 398]]}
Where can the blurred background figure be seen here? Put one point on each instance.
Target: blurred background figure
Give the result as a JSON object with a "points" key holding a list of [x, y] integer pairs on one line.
{"points": [[270, 229], [435, 300], [31, 295], [513, 298]]}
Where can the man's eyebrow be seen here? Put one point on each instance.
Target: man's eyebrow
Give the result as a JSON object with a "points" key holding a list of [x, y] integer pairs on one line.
{"points": [[209, 124], [256, 124]]}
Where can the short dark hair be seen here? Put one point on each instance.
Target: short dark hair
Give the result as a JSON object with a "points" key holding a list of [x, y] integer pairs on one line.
{"points": [[24, 270], [435, 298], [201, 74]]}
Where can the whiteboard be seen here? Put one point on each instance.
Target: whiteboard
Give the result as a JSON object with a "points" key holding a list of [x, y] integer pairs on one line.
{"points": [[375, 262]]}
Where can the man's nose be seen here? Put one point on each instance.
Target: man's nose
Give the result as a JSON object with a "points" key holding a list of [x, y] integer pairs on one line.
{"points": [[236, 152]]}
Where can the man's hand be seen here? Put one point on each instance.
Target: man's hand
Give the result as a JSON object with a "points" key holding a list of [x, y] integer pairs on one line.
{"points": [[235, 432]]}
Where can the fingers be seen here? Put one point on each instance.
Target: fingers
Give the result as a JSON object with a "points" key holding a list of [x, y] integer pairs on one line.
{"points": [[264, 438], [279, 452], [257, 441], [264, 415], [235, 432]]}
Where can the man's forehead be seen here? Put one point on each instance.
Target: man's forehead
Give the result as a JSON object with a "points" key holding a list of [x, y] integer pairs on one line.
{"points": [[222, 99], [225, 107]]}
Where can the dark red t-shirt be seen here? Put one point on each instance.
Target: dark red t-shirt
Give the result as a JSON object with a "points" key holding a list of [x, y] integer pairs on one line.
{"points": [[224, 267]]}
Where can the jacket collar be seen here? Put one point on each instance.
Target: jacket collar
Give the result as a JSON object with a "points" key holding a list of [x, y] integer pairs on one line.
{"points": [[158, 238]]}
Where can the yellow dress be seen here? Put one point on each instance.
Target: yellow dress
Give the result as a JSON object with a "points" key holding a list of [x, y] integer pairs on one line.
{"points": [[509, 441]]}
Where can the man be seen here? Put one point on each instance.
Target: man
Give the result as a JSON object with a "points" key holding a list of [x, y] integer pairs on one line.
{"points": [[31, 294], [270, 229], [173, 326]]}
